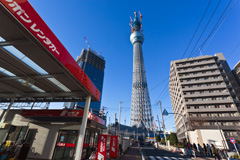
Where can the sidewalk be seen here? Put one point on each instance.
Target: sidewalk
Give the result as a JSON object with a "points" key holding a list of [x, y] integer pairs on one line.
{"points": [[132, 154]]}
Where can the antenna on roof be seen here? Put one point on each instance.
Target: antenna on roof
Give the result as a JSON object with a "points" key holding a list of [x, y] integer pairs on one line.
{"points": [[200, 51]]}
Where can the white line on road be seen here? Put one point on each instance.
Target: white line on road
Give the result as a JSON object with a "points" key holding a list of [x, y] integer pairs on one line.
{"points": [[152, 158], [174, 158], [167, 158], [158, 157]]}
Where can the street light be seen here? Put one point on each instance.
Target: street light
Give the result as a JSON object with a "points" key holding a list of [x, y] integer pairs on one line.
{"points": [[165, 113]]}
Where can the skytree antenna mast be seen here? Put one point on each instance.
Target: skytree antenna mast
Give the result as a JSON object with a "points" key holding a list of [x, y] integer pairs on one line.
{"points": [[141, 112]]}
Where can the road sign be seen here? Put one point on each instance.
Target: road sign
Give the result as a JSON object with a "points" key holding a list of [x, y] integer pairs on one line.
{"points": [[232, 140], [165, 112]]}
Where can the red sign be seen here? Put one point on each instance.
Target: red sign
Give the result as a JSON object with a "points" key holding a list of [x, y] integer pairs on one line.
{"points": [[232, 140], [29, 18], [102, 145], [59, 144], [61, 113], [114, 147]]}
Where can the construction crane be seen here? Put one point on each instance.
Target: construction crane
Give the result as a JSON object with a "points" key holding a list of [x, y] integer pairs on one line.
{"points": [[89, 47]]}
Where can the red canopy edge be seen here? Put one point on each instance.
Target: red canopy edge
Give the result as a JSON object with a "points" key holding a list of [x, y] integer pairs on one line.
{"points": [[25, 13]]}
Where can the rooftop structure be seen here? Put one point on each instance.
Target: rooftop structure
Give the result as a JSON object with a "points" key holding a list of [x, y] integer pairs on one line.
{"points": [[201, 90]]}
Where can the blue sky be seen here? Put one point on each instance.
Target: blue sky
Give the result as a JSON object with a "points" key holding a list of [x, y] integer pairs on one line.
{"points": [[168, 27]]}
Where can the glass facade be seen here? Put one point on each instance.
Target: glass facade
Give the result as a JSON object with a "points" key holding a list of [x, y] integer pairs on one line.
{"points": [[96, 76], [93, 65]]}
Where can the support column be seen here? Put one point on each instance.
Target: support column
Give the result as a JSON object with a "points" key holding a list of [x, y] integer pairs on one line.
{"points": [[81, 135], [6, 112]]}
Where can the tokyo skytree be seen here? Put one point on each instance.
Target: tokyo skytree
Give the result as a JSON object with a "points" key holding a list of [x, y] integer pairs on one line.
{"points": [[141, 112]]}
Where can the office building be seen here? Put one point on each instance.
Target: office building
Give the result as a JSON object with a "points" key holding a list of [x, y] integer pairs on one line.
{"points": [[93, 65], [201, 90], [141, 112]]}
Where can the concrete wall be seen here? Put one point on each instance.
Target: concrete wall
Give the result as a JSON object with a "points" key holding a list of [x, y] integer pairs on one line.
{"points": [[125, 144], [208, 137]]}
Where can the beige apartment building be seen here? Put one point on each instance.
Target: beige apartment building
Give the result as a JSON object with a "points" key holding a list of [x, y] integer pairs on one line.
{"points": [[201, 90]]}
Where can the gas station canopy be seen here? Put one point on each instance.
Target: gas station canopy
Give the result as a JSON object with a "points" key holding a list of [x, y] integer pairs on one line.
{"points": [[34, 65]]}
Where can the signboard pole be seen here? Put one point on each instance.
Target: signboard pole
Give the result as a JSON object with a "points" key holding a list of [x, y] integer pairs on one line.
{"points": [[82, 130], [236, 148]]}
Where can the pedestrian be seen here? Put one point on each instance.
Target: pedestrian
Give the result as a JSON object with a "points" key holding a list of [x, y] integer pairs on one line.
{"points": [[194, 147], [209, 150], [205, 149], [200, 149], [214, 151]]}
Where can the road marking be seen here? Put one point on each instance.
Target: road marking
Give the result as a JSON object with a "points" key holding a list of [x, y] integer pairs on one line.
{"points": [[152, 158], [174, 158], [159, 158], [167, 158]]}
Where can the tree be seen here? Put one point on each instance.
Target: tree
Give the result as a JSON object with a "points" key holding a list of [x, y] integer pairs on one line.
{"points": [[163, 141], [158, 139], [173, 139]]}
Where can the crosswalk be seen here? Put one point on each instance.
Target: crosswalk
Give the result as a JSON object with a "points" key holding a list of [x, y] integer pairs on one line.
{"points": [[168, 158]]}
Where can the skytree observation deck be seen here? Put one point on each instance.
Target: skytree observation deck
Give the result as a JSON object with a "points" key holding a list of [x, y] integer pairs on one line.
{"points": [[141, 112]]}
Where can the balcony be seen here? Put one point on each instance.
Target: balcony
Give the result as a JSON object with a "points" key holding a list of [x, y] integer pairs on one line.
{"points": [[198, 69], [212, 61], [212, 110], [209, 102], [200, 75], [202, 81], [214, 94], [195, 88], [215, 127], [219, 119]]}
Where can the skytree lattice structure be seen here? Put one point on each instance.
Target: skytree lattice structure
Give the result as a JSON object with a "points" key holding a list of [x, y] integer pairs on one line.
{"points": [[141, 112]]}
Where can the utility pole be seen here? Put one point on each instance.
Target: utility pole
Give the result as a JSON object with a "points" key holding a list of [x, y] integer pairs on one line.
{"points": [[159, 123], [115, 124], [119, 117], [163, 123]]}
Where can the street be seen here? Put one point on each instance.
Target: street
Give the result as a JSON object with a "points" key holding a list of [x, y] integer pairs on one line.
{"points": [[160, 154]]}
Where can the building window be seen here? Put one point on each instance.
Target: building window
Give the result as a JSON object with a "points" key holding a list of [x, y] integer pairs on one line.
{"points": [[204, 99], [209, 84], [188, 80], [228, 106], [201, 92], [210, 65], [199, 85], [194, 99], [218, 84], [197, 79], [211, 91], [213, 71], [196, 107], [214, 98], [217, 106], [224, 98], [205, 78], [203, 72], [194, 73], [215, 77], [190, 86], [192, 92], [206, 107]]}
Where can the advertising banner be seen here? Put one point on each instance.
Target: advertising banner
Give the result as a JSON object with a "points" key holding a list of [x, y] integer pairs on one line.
{"points": [[102, 145], [114, 147]]}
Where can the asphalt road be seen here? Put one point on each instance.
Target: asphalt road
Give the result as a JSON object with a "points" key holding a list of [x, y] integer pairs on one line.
{"points": [[160, 154]]}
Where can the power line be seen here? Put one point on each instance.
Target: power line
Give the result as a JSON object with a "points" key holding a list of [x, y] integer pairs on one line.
{"points": [[196, 29], [205, 28]]}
